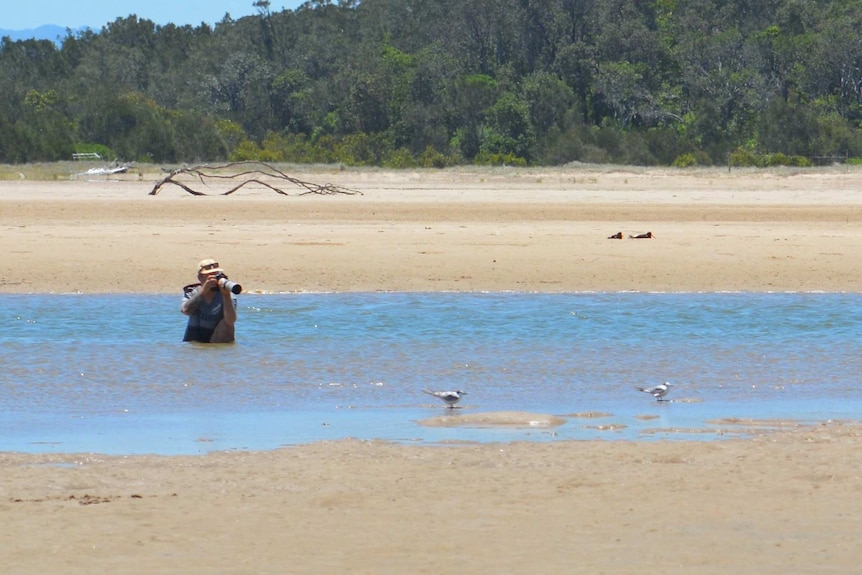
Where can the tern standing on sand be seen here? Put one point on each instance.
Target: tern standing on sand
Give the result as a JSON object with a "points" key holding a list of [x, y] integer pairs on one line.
{"points": [[658, 392], [450, 397]]}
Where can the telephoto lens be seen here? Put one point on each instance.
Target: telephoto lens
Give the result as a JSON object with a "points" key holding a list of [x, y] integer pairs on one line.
{"points": [[227, 284], [234, 287]]}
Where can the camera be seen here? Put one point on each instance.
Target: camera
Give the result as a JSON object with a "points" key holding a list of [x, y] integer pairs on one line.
{"points": [[224, 282]]}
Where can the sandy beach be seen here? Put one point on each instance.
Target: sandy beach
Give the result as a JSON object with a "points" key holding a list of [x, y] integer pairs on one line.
{"points": [[459, 230], [786, 500]]}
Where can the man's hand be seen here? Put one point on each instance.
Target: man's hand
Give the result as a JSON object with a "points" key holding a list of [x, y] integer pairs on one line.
{"points": [[210, 284]]}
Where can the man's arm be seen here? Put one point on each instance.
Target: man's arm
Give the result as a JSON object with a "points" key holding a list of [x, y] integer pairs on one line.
{"points": [[229, 317], [192, 301], [224, 331]]}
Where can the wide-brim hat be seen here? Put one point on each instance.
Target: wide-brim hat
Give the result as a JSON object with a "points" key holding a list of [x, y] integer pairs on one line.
{"points": [[208, 266]]}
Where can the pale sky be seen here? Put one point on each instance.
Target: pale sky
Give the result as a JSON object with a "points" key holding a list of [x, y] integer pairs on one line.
{"points": [[29, 14]]}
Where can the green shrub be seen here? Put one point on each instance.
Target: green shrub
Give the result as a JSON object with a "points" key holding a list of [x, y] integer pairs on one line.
{"points": [[431, 158], [400, 159], [245, 151], [684, 161], [488, 159], [745, 157]]}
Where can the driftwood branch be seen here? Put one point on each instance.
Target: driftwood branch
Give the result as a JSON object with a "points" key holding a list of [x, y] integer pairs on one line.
{"points": [[251, 173]]}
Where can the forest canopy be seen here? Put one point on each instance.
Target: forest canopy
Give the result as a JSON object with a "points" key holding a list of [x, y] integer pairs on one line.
{"points": [[402, 83]]}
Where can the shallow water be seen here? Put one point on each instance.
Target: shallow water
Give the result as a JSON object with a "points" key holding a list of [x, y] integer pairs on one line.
{"points": [[109, 374]]}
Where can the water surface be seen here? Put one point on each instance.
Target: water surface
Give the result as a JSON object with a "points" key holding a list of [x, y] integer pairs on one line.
{"points": [[109, 374]]}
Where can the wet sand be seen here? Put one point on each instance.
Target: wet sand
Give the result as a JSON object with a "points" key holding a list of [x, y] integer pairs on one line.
{"points": [[782, 502], [786, 500]]}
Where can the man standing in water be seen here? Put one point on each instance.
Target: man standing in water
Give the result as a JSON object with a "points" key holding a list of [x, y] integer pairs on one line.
{"points": [[209, 305]]}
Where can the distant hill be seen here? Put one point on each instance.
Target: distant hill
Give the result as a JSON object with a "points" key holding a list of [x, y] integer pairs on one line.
{"points": [[47, 32]]}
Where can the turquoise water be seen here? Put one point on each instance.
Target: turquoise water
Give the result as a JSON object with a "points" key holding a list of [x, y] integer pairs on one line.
{"points": [[109, 374]]}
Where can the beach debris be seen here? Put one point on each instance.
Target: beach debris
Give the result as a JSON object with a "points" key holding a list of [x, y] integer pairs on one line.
{"points": [[108, 169], [105, 171], [450, 397], [643, 236], [658, 391], [240, 174]]}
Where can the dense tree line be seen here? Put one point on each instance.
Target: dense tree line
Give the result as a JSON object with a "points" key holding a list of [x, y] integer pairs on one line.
{"points": [[441, 82]]}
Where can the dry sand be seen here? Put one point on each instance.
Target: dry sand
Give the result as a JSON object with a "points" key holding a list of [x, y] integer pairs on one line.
{"points": [[462, 230], [786, 501]]}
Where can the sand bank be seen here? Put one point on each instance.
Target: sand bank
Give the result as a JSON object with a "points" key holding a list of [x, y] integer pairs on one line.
{"points": [[781, 502], [453, 230]]}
